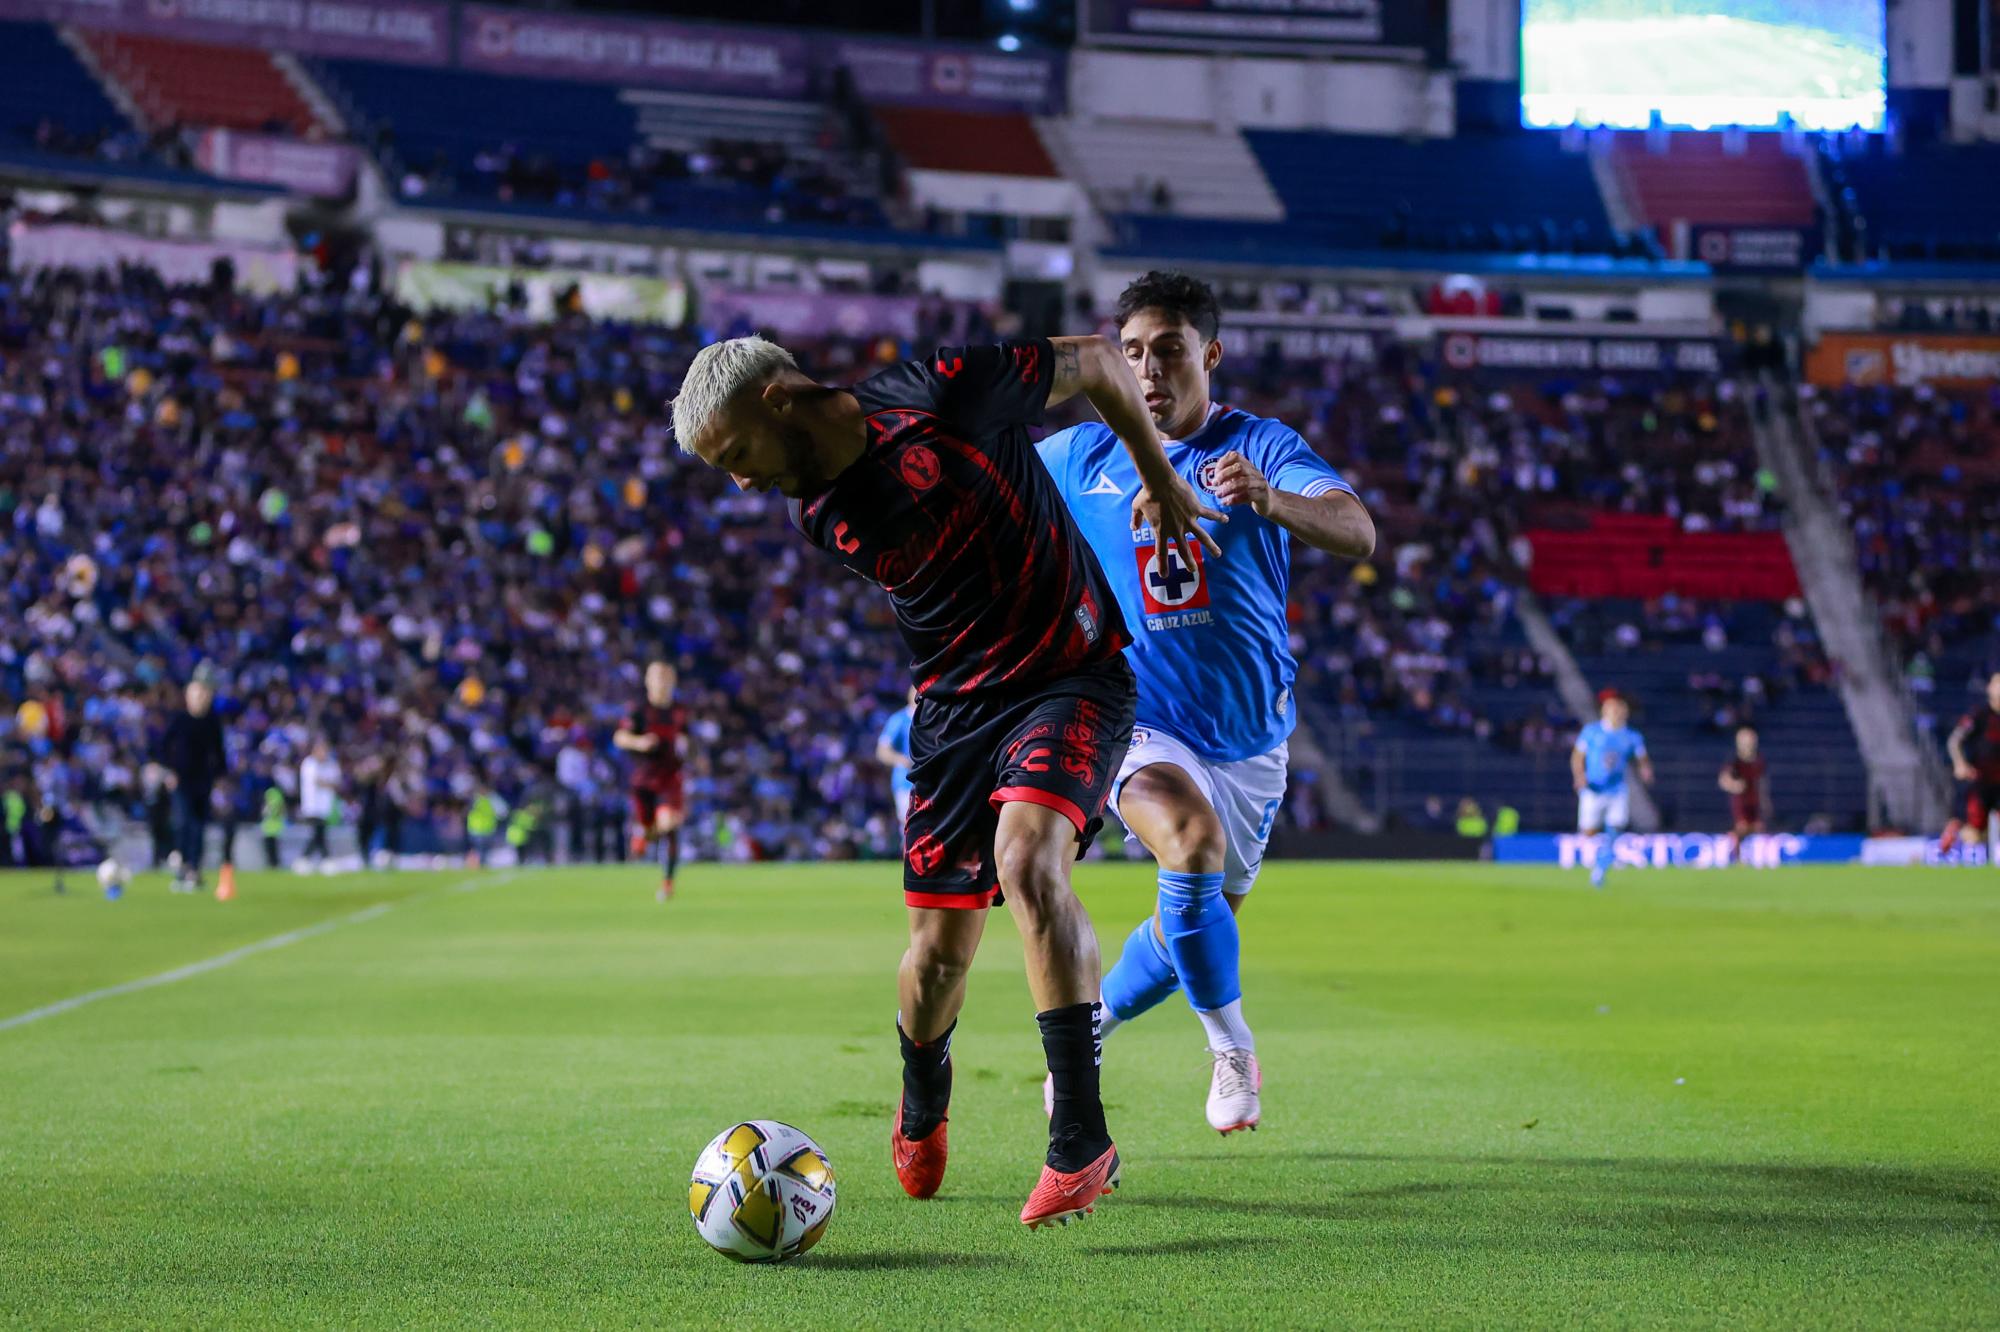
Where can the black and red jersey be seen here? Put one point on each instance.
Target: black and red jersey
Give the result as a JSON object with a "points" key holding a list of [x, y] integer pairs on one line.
{"points": [[660, 767], [1751, 773], [1981, 745], [950, 510]]}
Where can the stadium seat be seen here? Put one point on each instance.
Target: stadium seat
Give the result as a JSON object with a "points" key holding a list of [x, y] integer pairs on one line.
{"points": [[933, 140], [1932, 201], [1694, 178], [1512, 192], [189, 83], [41, 78]]}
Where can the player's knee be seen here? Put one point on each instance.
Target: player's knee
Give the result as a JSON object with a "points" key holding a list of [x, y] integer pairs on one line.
{"points": [[937, 969], [939, 959], [1192, 843], [1031, 876]]}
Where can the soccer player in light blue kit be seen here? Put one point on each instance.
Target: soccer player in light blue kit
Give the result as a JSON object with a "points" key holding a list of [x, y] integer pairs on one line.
{"points": [[1606, 750], [892, 751], [1203, 780]]}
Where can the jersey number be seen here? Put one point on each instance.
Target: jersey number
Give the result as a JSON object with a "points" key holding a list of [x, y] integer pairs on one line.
{"points": [[1270, 817]]}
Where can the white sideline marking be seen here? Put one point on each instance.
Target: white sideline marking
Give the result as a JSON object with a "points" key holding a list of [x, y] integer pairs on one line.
{"points": [[219, 961]]}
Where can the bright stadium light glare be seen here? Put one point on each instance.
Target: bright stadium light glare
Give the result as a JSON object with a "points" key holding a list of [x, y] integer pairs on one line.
{"points": [[1009, 42], [1021, 6]]}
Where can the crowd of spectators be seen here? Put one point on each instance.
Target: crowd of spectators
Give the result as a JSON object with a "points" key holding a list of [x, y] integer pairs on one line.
{"points": [[448, 543], [1918, 475], [167, 146], [741, 180]]}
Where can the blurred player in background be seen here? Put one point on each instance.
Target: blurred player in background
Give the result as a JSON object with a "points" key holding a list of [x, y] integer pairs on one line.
{"points": [[1974, 746], [319, 789], [191, 752], [892, 750], [1205, 775], [1748, 783], [922, 480], [1607, 751], [656, 733]]}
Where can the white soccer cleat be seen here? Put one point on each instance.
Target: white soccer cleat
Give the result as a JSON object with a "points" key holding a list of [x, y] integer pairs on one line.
{"points": [[1233, 1101]]}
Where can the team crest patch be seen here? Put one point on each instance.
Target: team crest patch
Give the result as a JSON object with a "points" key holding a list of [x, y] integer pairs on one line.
{"points": [[1171, 578], [919, 468], [1207, 474]]}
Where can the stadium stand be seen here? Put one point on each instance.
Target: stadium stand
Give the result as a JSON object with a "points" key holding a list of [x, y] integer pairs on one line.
{"points": [[541, 144], [1928, 201], [192, 83], [1123, 165], [1918, 474], [1514, 193], [1759, 180], [933, 140], [1696, 671], [44, 87]]}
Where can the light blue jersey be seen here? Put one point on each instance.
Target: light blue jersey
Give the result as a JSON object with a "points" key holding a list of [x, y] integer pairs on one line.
{"points": [[1209, 640], [1607, 755], [896, 735]]}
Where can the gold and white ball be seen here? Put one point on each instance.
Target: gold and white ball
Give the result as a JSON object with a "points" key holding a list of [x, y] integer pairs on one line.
{"points": [[762, 1192]]}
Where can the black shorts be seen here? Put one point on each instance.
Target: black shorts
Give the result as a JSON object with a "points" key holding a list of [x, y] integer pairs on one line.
{"points": [[1056, 744], [1982, 798]]}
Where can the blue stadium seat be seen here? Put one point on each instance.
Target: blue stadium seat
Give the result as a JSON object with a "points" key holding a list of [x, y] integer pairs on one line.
{"points": [[456, 114], [1930, 201], [1509, 193], [425, 118], [1816, 764], [41, 78]]}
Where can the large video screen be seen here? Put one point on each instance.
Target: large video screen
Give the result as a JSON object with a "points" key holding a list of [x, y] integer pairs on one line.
{"points": [[1703, 63]]}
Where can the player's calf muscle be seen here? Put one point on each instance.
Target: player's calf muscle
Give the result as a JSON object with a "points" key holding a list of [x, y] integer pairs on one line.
{"points": [[1033, 852]]}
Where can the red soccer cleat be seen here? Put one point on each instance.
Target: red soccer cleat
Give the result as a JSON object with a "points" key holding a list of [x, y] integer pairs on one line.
{"points": [[638, 846], [920, 1163], [1059, 1199], [1949, 838], [665, 892]]}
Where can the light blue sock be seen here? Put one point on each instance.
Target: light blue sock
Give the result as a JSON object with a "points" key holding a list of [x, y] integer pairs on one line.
{"points": [[1143, 977], [1201, 938], [1604, 840]]}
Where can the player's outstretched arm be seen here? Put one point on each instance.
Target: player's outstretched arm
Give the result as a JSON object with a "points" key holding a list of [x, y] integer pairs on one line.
{"points": [[1576, 767], [1337, 523], [1093, 367]]}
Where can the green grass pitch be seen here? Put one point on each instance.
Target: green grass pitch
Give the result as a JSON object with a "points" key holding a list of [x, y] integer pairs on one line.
{"points": [[1493, 1098]]}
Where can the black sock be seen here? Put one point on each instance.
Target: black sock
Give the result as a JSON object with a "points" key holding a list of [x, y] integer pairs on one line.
{"points": [[673, 852], [1077, 1135], [926, 1082]]}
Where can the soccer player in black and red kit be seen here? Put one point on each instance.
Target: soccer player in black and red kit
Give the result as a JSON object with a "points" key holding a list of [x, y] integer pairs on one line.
{"points": [[1747, 780], [655, 734], [922, 479], [1974, 746]]}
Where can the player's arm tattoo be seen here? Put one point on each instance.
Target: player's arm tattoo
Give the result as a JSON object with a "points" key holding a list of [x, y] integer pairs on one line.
{"points": [[1069, 379]]}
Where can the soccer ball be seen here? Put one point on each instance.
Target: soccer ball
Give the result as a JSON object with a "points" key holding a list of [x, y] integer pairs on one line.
{"points": [[762, 1192], [112, 876]]}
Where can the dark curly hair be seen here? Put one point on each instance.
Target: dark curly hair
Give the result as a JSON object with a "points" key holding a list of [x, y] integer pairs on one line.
{"points": [[1175, 294]]}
